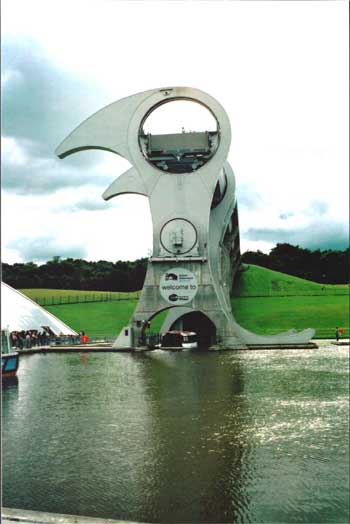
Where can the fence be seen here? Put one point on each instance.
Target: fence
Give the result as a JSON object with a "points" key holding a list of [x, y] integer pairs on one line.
{"points": [[94, 338], [60, 300], [152, 340], [57, 300], [62, 341], [327, 333], [285, 293], [330, 333]]}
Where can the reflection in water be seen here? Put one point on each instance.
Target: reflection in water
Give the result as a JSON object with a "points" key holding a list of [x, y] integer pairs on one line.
{"points": [[9, 382], [203, 459], [84, 357], [242, 437]]}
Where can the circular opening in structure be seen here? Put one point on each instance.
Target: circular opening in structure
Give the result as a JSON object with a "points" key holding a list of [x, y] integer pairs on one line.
{"points": [[179, 136], [178, 236]]}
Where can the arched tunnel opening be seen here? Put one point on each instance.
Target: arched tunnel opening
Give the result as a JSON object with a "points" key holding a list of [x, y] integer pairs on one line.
{"points": [[200, 324]]}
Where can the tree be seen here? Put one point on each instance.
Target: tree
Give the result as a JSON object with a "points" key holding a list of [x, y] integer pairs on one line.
{"points": [[320, 266]]}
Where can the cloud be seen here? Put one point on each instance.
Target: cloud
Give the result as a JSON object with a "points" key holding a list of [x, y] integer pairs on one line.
{"points": [[38, 111], [87, 205], [286, 172], [318, 207], [36, 101], [316, 235], [45, 248], [248, 197], [26, 169], [285, 216]]}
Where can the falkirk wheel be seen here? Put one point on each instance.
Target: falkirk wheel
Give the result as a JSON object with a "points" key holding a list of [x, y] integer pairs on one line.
{"points": [[192, 197]]}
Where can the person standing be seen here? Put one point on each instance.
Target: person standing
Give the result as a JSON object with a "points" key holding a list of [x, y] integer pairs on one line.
{"points": [[28, 340], [336, 334], [14, 340]]}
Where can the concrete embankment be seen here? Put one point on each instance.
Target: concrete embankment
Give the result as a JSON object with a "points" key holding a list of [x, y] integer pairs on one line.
{"points": [[75, 348], [106, 347], [10, 515]]}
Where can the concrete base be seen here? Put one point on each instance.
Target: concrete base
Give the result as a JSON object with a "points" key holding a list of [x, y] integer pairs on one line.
{"points": [[10, 515], [310, 345], [108, 348]]}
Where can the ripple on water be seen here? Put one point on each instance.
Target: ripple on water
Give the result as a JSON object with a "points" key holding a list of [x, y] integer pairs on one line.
{"points": [[182, 437]]}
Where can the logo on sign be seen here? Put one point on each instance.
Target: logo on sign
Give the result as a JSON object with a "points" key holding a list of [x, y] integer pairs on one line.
{"points": [[178, 285], [170, 276]]}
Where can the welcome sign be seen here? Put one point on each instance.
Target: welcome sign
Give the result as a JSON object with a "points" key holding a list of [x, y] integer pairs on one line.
{"points": [[178, 286]]}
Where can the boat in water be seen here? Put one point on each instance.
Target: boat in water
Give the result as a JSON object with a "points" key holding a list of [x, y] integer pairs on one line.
{"points": [[179, 339], [9, 358]]}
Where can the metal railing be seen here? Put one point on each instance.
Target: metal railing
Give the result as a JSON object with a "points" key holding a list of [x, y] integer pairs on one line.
{"points": [[285, 293], [151, 340], [116, 296], [65, 340], [84, 299], [327, 333]]}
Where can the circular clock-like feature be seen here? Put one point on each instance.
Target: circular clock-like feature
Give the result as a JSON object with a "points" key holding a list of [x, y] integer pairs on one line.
{"points": [[178, 236]]}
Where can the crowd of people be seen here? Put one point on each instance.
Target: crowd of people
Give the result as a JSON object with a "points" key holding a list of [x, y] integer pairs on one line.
{"points": [[34, 338]]}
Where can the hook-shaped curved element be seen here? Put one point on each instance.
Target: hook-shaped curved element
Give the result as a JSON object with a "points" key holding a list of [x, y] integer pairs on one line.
{"points": [[107, 129], [128, 182]]}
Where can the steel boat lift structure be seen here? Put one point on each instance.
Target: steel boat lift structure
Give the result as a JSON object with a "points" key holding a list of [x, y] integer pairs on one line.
{"points": [[192, 197]]}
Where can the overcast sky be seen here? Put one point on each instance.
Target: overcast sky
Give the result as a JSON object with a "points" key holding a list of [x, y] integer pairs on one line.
{"points": [[280, 69]]}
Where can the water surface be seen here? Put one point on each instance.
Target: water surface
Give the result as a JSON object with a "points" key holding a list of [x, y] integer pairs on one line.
{"points": [[259, 436]]}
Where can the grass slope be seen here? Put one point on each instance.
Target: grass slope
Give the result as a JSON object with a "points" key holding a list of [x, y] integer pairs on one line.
{"points": [[256, 280], [100, 318], [269, 315], [317, 306], [288, 302], [95, 318]]}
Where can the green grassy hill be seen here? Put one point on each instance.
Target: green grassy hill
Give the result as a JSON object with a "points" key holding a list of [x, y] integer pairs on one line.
{"points": [[270, 315], [285, 302], [96, 318], [266, 302], [260, 281]]}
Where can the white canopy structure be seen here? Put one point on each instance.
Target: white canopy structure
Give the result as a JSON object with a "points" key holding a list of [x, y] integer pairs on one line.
{"points": [[19, 313]]}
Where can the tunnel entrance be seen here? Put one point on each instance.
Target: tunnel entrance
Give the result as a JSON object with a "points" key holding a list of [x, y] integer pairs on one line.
{"points": [[200, 324]]}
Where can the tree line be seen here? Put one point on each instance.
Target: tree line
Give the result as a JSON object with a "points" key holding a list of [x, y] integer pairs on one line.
{"points": [[77, 274], [328, 267]]}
